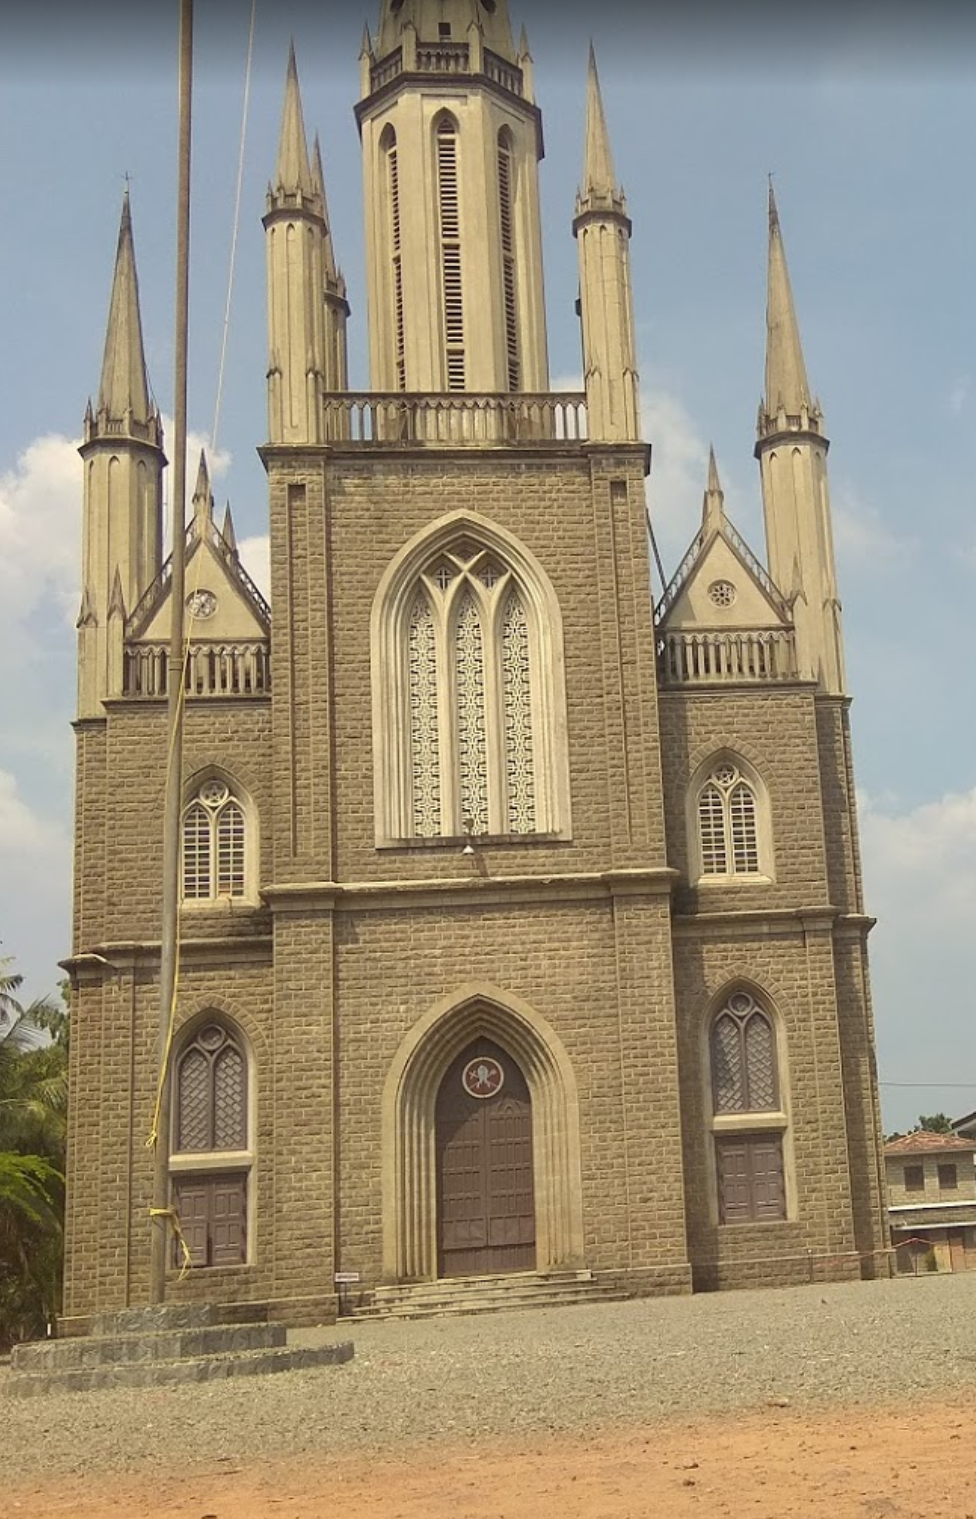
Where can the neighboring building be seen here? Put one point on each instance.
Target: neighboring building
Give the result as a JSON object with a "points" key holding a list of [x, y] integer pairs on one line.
{"points": [[932, 1201], [522, 930]]}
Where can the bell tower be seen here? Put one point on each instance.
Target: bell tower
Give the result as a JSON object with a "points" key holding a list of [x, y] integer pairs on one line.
{"points": [[451, 140]]}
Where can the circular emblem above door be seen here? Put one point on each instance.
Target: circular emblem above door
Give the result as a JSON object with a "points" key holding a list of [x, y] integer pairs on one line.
{"points": [[482, 1077]]}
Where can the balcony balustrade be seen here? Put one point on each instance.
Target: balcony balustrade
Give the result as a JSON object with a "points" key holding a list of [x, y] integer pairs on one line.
{"points": [[212, 669], [399, 418], [727, 658]]}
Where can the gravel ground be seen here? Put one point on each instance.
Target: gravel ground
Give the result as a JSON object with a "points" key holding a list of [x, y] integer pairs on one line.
{"points": [[526, 1374]]}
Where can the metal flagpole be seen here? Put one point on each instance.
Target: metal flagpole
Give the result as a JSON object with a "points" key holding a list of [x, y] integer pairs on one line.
{"points": [[160, 1235]]}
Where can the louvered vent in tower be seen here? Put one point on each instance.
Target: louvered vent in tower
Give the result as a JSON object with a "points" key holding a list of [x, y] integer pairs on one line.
{"points": [[396, 265], [450, 234], [506, 213]]}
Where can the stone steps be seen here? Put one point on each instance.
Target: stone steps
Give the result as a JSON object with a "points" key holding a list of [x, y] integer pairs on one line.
{"points": [[504, 1294], [156, 1347]]}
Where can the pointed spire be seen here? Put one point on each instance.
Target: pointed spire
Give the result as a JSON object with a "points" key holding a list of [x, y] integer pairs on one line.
{"points": [[116, 604], [318, 187], [202, 497], [598, 173], [86, 612], [366, 47], [523, 45], [786, 376], [227, 530], [124, 388], [713, 505], [293, 174]]}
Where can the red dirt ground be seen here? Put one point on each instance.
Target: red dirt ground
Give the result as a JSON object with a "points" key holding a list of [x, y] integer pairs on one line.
{"points": [[896, 1462]]}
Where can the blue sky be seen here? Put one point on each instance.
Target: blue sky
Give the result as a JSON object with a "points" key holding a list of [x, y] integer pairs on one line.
{"points": [[868, 123]]}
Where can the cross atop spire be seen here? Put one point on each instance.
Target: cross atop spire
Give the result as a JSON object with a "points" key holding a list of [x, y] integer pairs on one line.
{"points": [[124, 388], [293, 174], [787, 389]]}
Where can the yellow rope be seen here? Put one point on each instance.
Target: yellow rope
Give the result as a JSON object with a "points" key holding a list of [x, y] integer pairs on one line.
{"points": [[174, 1219]]}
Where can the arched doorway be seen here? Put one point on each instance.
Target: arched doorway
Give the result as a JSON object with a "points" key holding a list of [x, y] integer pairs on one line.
{"points": [[485, 1174], [411, 1217]]}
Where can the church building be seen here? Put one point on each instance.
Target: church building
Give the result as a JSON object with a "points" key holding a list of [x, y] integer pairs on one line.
{"points": [[522, 944]]}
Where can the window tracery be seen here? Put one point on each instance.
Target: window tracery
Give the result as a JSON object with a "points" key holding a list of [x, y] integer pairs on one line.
{"points": [[469, 699], [214, 844], [729, 806], [211, 1160], [748, 1119]]}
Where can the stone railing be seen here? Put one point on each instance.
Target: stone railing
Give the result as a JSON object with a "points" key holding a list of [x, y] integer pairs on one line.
{"points": [[500, 72], [388, 68], [711, 657], [404, 418], [442, 57], [446, 58], [212, 669]]}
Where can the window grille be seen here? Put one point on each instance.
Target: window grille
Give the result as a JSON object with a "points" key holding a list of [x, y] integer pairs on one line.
{"points": [[214, 845], [507, 223], [211, 1093], [743, 1053], [448, 199], [745, 1080], [728, 824], [472, 697], [210, 1117]]}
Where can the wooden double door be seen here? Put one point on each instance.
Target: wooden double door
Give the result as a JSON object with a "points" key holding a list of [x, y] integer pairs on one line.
{"points": [[485, 1181]]}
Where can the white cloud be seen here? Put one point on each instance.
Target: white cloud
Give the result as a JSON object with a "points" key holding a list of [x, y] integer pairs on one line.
{"points": [[920, 865], [679, 461], [920, 882], [862, 538], [960, 395], [256, 557], [35, 888]]}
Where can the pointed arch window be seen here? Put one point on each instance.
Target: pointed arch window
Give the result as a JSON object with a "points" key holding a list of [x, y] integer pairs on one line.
{"points": [[468, 695], [449, 228], [748, 1115], [731, 823], [211, 1160], [216, 848]]}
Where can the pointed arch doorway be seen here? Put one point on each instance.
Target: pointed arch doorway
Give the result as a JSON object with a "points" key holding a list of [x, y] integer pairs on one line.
{"points": [[485, 1173]]}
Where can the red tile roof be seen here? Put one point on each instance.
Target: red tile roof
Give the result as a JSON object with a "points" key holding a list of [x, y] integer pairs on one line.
{"points": [[924, 1142]]}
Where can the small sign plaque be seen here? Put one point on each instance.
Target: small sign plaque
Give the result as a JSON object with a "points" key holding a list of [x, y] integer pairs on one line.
{"points": [[344, 1278]]}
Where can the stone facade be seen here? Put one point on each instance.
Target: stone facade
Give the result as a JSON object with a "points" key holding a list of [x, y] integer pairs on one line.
{"points": [[352, 969]]}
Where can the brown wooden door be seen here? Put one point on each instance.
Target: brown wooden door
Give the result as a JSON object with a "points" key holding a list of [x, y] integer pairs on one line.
{"points": [[485, 1184]]}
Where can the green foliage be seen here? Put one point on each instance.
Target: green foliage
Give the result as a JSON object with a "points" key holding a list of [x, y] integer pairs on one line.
{"points": [[936, 1123], [33, 1124]]}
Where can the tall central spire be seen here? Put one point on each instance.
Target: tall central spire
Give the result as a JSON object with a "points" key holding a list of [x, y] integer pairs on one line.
{"points": [[124, 389], [787, 389]]}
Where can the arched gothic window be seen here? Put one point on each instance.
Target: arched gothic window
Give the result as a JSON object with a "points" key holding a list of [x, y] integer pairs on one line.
{"points": [[748, 1117], [468, 696], [731, 826], [211, 1158], [214, 844]]}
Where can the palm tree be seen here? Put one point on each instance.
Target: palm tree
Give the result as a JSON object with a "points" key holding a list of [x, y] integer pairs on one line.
{"points": [[33, 1117]]}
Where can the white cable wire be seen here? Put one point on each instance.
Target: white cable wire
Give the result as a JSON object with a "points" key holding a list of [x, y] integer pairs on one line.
{"points": [[233, 243]]}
